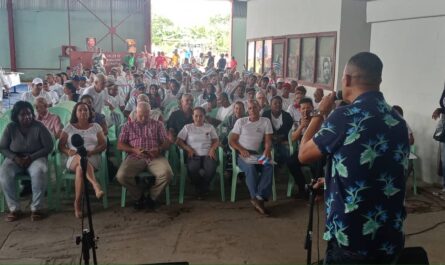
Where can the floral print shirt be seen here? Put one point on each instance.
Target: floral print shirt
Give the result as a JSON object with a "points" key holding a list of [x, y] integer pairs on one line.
{"points": [[365, 189]]}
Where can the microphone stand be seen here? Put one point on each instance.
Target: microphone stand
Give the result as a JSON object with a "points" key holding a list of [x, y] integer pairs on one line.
{"points": [[312, 195], [87, 239]]}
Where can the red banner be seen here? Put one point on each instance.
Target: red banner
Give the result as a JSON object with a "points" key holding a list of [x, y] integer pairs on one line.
{"points": [[113, 59]]}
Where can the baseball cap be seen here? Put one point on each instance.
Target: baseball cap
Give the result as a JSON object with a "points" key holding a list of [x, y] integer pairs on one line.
{"points": [[37, 81], [280, 80], [83, 78], [287, 85], [76, 78]]}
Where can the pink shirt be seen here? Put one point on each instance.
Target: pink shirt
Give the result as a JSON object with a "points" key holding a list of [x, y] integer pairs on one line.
{"points": [[146, 136], [51, 122]]}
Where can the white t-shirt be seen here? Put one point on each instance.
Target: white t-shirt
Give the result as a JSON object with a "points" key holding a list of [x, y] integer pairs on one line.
{"points": [[58, 88], [295, 113], [251, 134], [287, 102], [98, 98], [199, 101], [54, 97], [276, 122], [223, 113], [27, 96], [198, 138]]}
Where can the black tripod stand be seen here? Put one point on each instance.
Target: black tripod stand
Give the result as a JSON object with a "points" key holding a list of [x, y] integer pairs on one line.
{"points": [[312, 195], [87, 239]]}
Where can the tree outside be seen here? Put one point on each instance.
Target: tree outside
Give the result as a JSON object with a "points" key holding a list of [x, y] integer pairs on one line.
{"points": [[213, 36]]}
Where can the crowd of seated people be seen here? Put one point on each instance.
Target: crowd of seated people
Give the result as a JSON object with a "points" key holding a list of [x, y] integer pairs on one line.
{"points": [[150, 110]]}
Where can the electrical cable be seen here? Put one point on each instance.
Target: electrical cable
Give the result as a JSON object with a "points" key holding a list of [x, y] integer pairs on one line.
{"points": [[426, 229]]}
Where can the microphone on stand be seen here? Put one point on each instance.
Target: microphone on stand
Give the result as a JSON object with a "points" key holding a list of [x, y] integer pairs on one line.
{"points": [[77, 142]]}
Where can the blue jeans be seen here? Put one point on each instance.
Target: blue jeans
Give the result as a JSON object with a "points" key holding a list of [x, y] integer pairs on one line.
{"points": [[442, 159], [258, 185], [38, 173]]}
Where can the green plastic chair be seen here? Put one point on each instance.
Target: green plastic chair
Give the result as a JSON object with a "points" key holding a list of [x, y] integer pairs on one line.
{"points": [[219, 171], [63, 175], [68, 105], [236, 170], [143, 175], [63, 113], [6, 115], [169, 108]]}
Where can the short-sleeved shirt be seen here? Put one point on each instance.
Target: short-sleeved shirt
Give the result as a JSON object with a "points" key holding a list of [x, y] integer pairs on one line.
{"points": [[177, 120], [98, 98], [28, 96], [58, 88], [251, 134], [294, 113], [147, 136], [365, 189], [51, 122], [198, 138]]}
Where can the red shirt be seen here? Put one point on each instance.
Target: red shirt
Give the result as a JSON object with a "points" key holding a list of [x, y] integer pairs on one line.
{"points": [[233, 64]]}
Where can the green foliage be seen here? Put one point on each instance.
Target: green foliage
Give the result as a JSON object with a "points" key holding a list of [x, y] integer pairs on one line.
{"points": [[214, 35]]}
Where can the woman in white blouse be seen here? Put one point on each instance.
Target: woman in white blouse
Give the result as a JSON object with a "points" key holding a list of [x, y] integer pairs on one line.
{"points": [[200, 141], [94, 142]]}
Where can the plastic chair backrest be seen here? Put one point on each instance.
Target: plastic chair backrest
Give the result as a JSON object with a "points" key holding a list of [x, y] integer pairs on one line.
{"points": [[69, 105], [63, 113]]}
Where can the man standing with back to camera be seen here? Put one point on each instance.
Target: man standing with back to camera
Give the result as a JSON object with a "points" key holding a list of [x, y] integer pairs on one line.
{"points": [[368, 148]]}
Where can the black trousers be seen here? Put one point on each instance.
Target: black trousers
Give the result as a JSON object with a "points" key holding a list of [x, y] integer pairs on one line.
{"points": [[295, 166], [201, 170]]}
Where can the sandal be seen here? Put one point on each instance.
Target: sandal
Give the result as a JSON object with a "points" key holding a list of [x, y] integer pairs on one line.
{"points": [[37, 216], [13, 216]]}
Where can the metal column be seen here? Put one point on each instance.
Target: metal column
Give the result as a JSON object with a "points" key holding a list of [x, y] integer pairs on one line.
{"points": [[11, 36]]}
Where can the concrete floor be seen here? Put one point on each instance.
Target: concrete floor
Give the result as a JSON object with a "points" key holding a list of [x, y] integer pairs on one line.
{"points": [[200, 232]]}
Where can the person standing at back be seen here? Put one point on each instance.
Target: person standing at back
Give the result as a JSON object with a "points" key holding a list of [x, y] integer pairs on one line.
{"points": [[368, 151], [221, 64]]}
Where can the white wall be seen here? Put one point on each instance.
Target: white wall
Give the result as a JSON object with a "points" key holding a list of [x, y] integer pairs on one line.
{"points": [[267, 18], [413, 54], [354, 36]]}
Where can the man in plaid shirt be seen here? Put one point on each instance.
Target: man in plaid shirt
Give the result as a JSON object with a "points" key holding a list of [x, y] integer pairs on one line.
{"points": [[144, 140]]}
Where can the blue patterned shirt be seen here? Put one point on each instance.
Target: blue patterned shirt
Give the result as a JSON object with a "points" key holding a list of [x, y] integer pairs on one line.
{"points": [[365, 189]]}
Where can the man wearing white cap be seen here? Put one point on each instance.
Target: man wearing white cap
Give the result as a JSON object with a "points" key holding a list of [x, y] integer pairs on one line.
{"points": [[36, 91]]}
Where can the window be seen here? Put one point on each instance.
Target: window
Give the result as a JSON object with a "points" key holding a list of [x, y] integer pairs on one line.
{"points": [[250, 57], [307, 68], [259, 57], [293, 58], [267, 55], [325, 60], [309, 58], [278, 57]]}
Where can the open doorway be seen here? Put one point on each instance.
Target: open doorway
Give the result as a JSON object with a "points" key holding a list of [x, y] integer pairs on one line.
{"points": [[191, 29]]}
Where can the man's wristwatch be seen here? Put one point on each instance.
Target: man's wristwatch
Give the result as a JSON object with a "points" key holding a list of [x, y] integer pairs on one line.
{"points": [[317, 113]]}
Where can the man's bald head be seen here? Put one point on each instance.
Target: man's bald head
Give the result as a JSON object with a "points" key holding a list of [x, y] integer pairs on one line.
{"points": [[365, 69], [142, 98], [143, 111]]}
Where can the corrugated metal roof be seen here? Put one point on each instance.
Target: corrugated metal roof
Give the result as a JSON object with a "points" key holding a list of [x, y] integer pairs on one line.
{"points": [[95, 5]]}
